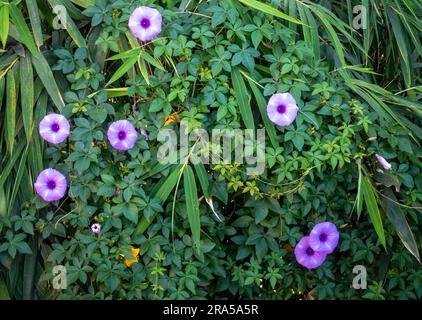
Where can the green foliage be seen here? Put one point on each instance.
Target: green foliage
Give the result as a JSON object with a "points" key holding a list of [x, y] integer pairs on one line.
{"points": [[212, 231]]}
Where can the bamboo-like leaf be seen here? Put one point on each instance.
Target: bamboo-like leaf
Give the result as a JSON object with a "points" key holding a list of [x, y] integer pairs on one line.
{"points": [[84, 3], [11, 101], [29, 271], [22, 28], [144, 71], [331, 32], [270, 10], [125, 55], [70, 25], [7, 169], [34, 17], [148, 58], [2, 86], [162, 194], [17, 180], [262, 105], [402, 46], [398, 220], [373, 210], [46, 75], [202, 175], [27, 94], [122, 69], [359, 196], [192, 205], [316, 47], [4, 293], [243, 99], [117, 92], [4, 24]]}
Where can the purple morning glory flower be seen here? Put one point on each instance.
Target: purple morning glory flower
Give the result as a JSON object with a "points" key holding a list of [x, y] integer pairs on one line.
{"points": [[324, 237], [96, 228], [282, 109], [145, 23], [51, 185], [54, 128], [122, 135], [386, 165], [308, 257]]}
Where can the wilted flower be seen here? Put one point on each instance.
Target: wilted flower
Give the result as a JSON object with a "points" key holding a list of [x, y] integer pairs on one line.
{"points": [[96, 228], [145, 23], [54, 128], [122, 135], [282, 109], [386, 165], [50, 185], [135, 254], [144, 134], [306, 256], [324, 237]]}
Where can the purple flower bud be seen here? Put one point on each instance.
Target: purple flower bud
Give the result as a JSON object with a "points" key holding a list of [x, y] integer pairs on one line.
{"points": [[122, 135], [308, 257], [282, 109], [51, 185], [145, 23], [386, 165], [324, 237], [54, 128], [96, 228]]}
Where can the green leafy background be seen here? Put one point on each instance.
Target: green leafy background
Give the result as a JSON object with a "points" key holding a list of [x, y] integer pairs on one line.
{"points": [[211, 231]]}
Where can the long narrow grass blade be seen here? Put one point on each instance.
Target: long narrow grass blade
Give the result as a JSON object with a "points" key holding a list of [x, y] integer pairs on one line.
{"points": [[22, 28], [373, 210], [70, 25], [46, 75], [162, 194], [11, 101], [262, 105], [4, 24], [27, 94], [243, 99], [34, 17], [398, 220], [129, 63], [269, 10], [192, 205]]}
